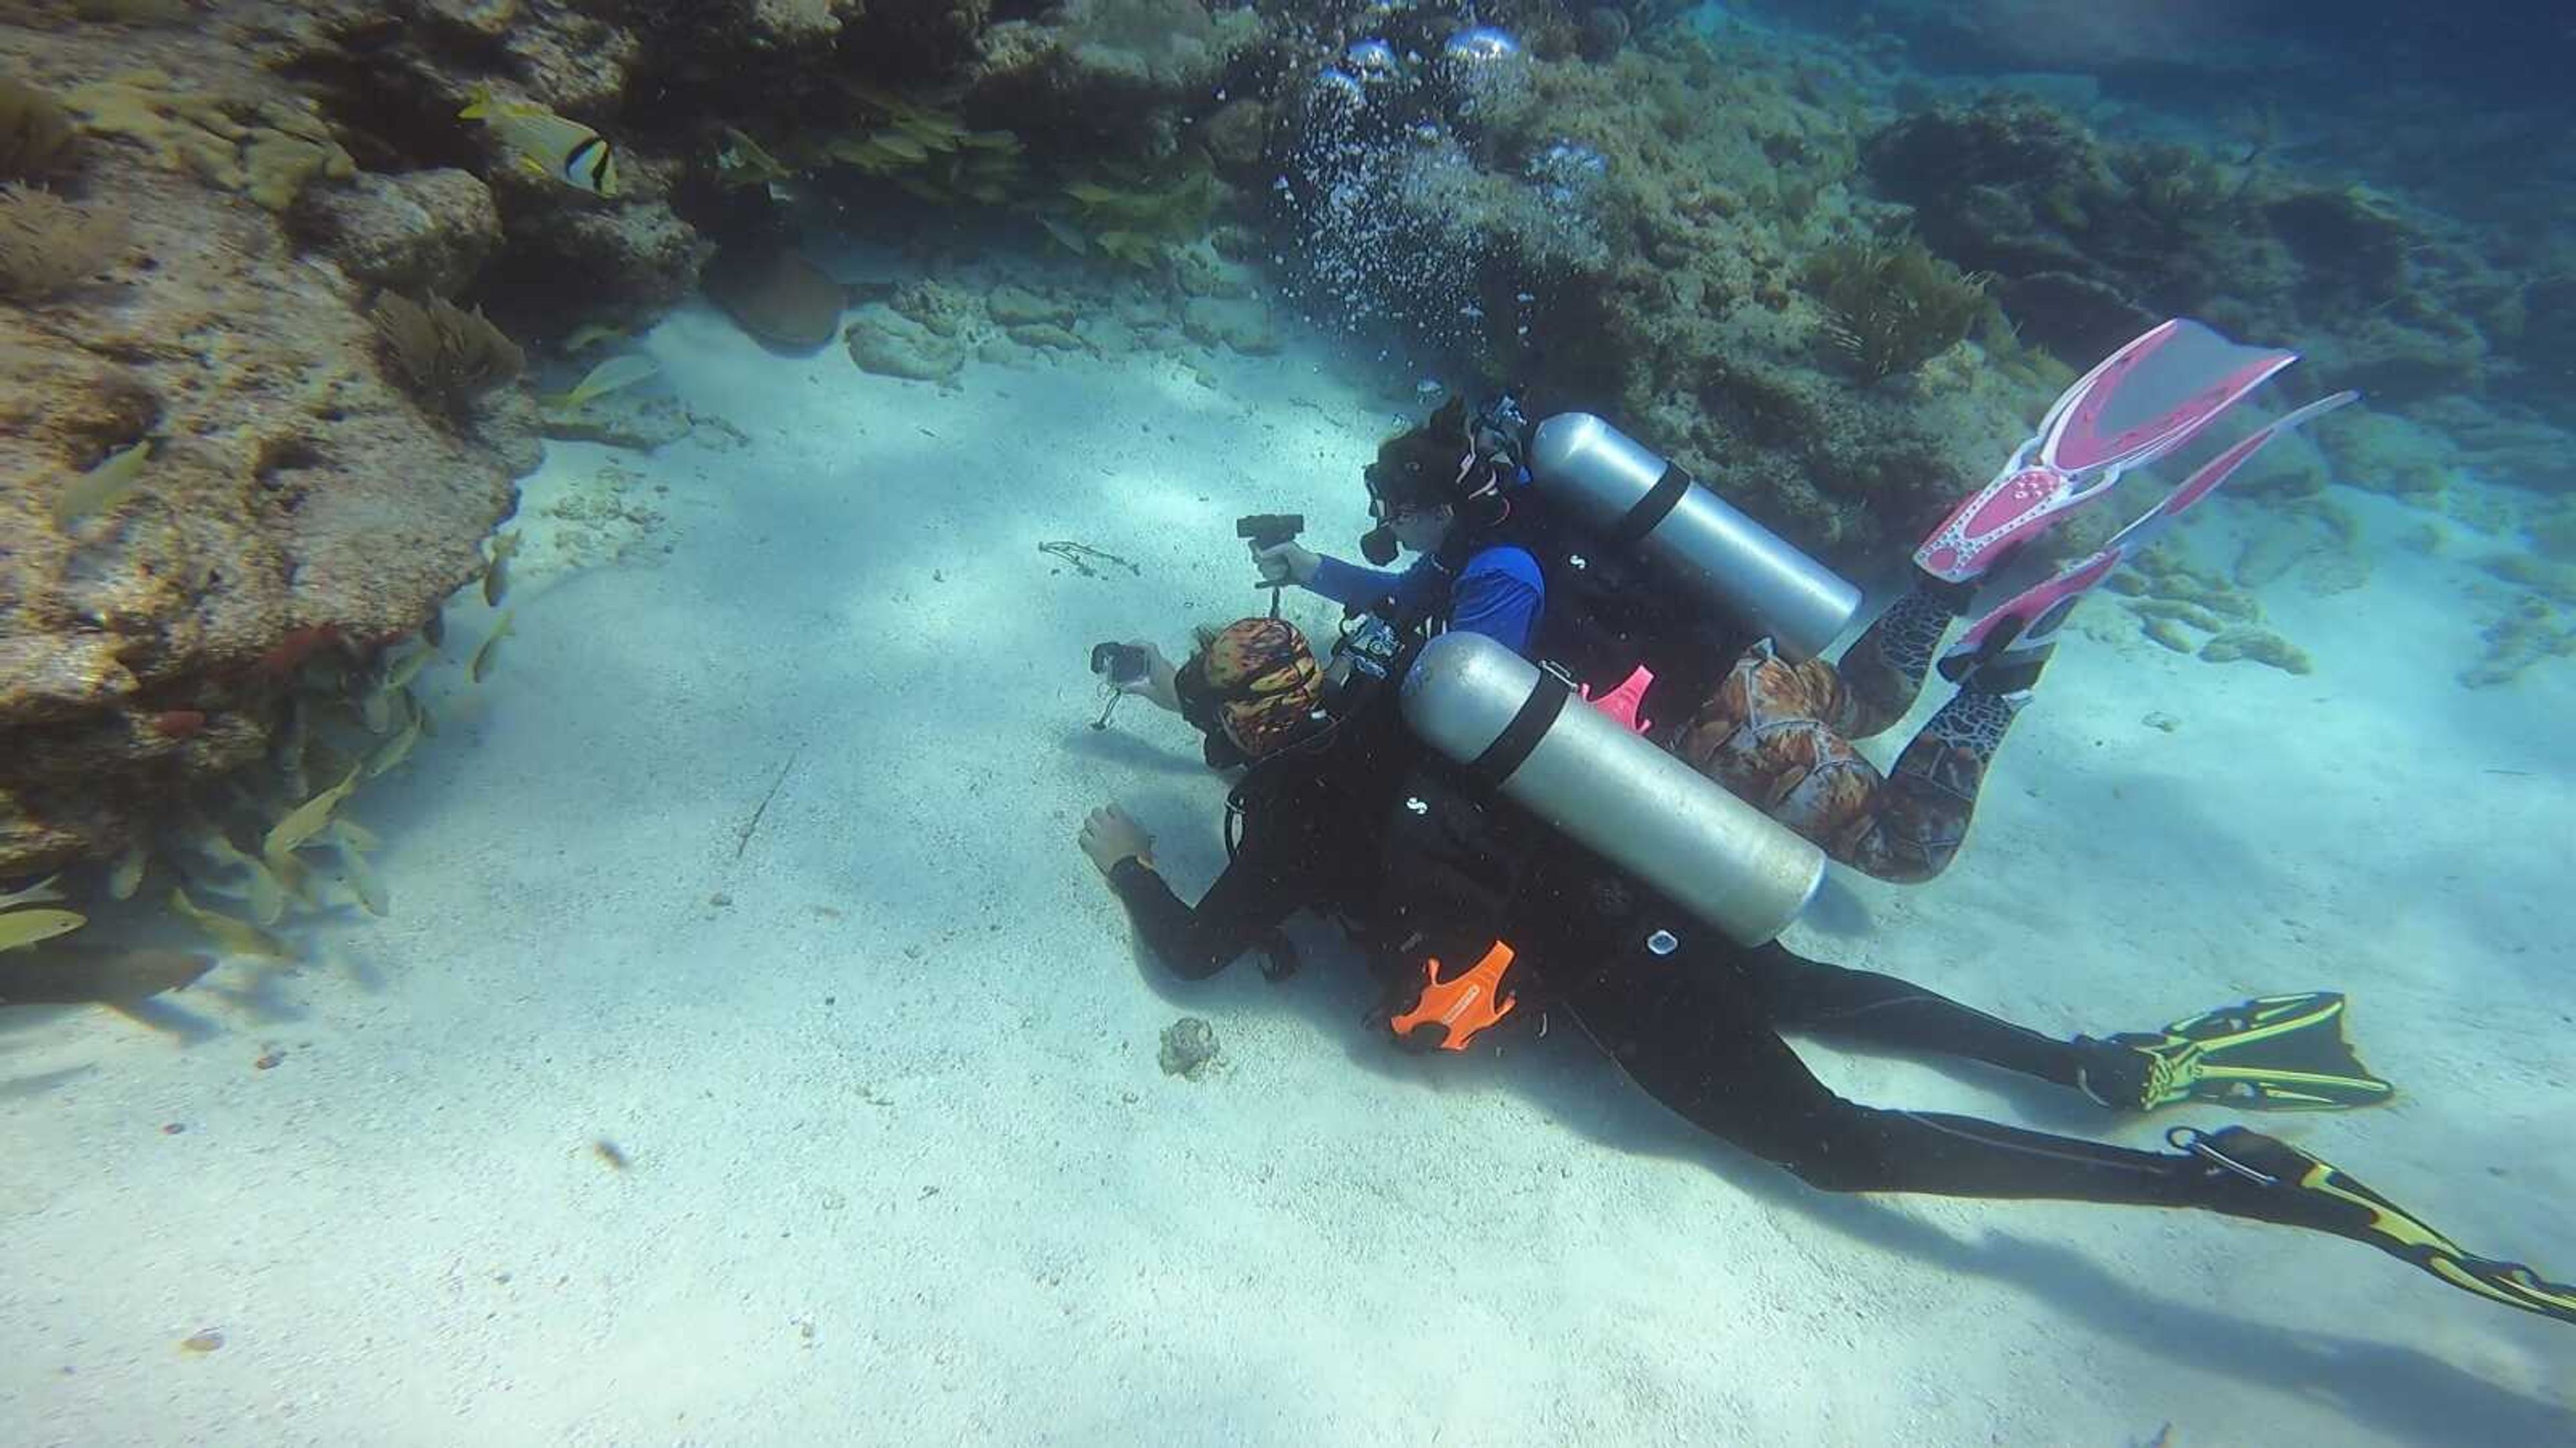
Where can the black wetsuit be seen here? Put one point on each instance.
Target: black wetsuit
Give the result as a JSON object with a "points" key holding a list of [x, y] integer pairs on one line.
{"points": [[1697, 1027]]}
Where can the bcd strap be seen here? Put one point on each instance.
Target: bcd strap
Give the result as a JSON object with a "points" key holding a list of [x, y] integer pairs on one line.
{"points": [[1454, 1012], [1659, 502], [1512, 747]]}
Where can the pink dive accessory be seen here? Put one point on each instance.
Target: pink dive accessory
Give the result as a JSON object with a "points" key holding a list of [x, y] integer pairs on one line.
{"points": [[2140, 403], [2027, 621], [1622, 703]]}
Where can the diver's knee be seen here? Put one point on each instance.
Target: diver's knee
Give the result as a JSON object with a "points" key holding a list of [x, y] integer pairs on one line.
{"points": [[1832, 1153]]}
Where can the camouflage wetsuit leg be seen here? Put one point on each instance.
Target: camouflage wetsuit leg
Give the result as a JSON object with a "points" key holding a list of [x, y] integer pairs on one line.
{"points": [[1779, 735]]}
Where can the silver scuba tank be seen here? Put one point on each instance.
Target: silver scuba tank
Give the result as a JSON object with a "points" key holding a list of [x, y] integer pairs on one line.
{"points": [[1492, 711], [1620, 488]]}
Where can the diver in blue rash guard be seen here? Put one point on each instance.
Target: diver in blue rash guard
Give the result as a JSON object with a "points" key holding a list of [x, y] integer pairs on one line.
{"points": [[1441, 491]]}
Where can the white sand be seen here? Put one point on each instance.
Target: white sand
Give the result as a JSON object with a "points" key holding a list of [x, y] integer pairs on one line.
{"points": [[904, 1169]]}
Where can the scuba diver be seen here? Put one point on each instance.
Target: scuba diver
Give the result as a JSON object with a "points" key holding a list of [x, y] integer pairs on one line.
{"points": [[1593, 571], [1442, 491], [1447, 802], [1498, 843]]}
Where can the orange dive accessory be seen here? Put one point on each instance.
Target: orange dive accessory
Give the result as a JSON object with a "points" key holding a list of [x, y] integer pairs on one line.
{"points": [[1455, 1011], [1265, 681]]}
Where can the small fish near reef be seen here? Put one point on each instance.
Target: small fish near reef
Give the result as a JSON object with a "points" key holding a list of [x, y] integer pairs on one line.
{"points": [[37, 894], [102, 487], [125, 877], [542, 143], [481, 664], [306, 820], [81, 975], [621, 371], [234, 937], [591, 334], [21, 928], [496, 574]]}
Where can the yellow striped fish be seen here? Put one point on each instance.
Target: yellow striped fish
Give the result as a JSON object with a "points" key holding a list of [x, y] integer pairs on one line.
{"points": [[545, 144]]}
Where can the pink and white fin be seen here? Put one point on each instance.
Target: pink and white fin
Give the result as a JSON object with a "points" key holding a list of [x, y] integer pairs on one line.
{"points": [[2026, 624], [2141, 402]]}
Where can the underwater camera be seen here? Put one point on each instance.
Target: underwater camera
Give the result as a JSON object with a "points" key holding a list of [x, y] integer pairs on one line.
{"points": [[1121, 667], [1269, 530], [1120, 664]]}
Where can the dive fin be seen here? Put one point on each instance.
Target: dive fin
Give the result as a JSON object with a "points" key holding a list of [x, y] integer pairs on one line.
{"points": [[2285, 1052], [2155, 394], [2301, 1190], [2030, 619]]}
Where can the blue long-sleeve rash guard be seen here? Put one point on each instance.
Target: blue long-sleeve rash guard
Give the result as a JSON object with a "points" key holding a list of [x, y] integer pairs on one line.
{"points": [[1498, 593]]}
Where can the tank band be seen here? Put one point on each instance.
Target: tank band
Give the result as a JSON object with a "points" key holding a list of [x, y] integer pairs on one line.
{"points": [[1512, 747], [1652, 508]]}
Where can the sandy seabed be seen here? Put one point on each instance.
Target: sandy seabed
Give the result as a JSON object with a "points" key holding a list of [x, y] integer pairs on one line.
{"points": [[902, 1167]]}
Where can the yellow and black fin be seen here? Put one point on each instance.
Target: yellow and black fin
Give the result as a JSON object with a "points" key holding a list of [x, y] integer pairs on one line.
{"points": [[2325, 1197], [2285, 1052]]}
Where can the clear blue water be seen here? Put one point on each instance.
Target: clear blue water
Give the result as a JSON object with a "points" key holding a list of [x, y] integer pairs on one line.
{"points": [[712, 1031]]}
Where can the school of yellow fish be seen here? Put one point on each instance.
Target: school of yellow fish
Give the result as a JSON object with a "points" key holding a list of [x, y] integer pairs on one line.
{"points": [[534, 140], [282, 875]]}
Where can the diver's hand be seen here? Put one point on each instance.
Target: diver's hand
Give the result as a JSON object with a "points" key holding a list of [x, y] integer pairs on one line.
{"points": [[1109, 836], [1160, 684], [1285, 563]]}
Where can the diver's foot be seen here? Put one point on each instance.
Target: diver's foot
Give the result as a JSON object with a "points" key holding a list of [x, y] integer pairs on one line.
{"points": [[2004, 652], [2276, 1182], [2286, 1052]]}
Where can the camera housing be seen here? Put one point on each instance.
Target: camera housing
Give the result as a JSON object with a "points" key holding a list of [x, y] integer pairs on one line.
{"points": [[1120, 664], [1269, 530]]}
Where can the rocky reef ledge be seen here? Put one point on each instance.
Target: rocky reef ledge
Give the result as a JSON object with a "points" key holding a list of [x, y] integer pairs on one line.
{"points": [[197, 284]]}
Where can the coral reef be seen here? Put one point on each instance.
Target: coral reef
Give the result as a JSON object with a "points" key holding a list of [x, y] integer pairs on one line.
{"points": [[446, 356], [1126, 61], [421, 232], [1892, 306], [265, 143], [292, 492], [889, 342], [1687, 226], [47, 243], [2089, 240], [2528, 632], [2170, 599]]}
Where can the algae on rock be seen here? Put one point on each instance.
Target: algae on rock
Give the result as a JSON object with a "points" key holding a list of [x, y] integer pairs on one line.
{"points": [[265, 148], [36, 136], [47, 243], [1893, 306]]}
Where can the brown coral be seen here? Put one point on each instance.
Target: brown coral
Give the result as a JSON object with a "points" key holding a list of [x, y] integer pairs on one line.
{"points": [[443, 354], [47, 243], [36, 137]]}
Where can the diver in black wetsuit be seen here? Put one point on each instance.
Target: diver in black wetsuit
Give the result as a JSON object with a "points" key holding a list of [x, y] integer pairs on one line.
{"points": [[1346, 814]]}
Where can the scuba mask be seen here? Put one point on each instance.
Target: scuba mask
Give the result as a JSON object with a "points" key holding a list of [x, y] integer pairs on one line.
{"points": [[1489, 467], [1379, 546]]}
